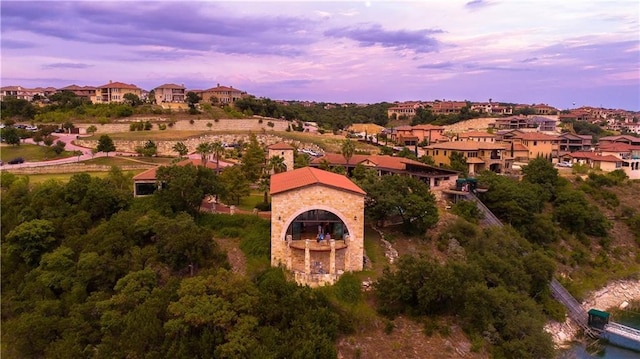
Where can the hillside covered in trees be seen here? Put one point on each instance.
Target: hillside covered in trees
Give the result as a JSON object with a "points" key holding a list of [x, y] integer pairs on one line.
{"points": [[88, 271]]}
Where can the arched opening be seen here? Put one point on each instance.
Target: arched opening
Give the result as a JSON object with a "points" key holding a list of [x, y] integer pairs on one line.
{"points": [[316, 224]]}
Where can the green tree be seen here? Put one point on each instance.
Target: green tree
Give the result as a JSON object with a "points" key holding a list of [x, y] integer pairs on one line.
{"points": [[149, 149], [253, 160], [92, 129], [192, 100], [30, 240], [11, 136], [105, 144], [276, 163], [348, 149], [181, 148], [11, 107], [458, 162], [541, 172], [217, 149], [204, 149], [300, 160], [401, 197], [235, 184], [132, 99], [184, 187]]}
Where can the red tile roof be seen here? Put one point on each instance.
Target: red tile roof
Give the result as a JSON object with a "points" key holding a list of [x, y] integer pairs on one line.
{"points": [[618, 147], [148, 175], [428, 127], [171, 86], [118, 85], [308, 176], [536, 136], [280, 146], [476, 134], [593, 156]]}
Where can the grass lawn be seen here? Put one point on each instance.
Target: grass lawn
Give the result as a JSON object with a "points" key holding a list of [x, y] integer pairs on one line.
{"points": [[129, 161], [328, 142], [155, 135], [64, 177], [31, 153], [249, 203]]}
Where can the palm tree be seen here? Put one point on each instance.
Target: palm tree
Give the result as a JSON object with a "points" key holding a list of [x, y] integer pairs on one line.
{"points": [[203, 149], [217, 149], [348, 148], [181, 148], [276, 163]]}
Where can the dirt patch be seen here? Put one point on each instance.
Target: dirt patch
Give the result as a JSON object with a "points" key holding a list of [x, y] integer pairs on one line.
{"points": [[236, 258], [406, 340]]}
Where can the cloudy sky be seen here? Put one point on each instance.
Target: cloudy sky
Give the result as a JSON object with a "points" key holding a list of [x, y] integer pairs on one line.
{"points": [[557, 52]]}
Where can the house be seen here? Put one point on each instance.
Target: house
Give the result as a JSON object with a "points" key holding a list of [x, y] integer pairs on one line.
{"points": [[538, 144], [404, 110], [544, 109], [593, 160], [538, 123], [446, 107], [86, 92], [145, 183], [283, 150], [114, 92], [309, 202], [619, 139], [479, 155], [436, 178], [23, 93], [413, 135], [221, 95], [477, 136], [569, 142], [169, 93], [628, 154]]}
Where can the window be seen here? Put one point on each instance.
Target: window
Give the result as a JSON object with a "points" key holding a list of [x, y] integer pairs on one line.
{"points": [[445, 153], [535, 143]]}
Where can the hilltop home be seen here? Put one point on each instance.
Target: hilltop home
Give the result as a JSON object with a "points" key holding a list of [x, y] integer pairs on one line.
{"points": [[436, 178], [413, 135], [593, 160], [114, 92], [569, 142], [169, 93], [87, 92], [538, 144], [308, 204], [628, 154], [223, 95], [479, 155]]}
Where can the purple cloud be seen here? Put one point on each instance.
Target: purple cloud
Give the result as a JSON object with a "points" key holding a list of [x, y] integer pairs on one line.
{"points": [[477, 4], [416, 40], [17, 44], [188, 26], [66, 65], [437, 65]]}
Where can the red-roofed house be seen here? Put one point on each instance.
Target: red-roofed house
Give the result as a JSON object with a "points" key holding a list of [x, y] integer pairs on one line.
{"points": [[412, 135], [223, 95], [88, 92], [629, 154], [114, 92], [308, 204], [145, 183], [477, 136], [436, 178], [593, 160]]}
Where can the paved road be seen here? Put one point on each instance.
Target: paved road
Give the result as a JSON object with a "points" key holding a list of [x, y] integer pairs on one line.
{"points": [[69, 146]]}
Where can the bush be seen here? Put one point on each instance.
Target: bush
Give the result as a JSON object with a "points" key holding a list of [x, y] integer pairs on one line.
{"points": [[162, 126], [263, 206]]}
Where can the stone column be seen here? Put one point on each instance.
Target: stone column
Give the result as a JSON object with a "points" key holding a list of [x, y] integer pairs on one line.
{"points": [[347, 254], [307, 257], [332, 257]]}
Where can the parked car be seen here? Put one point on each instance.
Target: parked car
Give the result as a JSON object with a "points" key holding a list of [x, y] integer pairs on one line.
{"points": [[564, 164], [16, 161]]}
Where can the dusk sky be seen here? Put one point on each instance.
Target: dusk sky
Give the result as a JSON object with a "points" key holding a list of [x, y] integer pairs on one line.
{"points": [[557, 52]]}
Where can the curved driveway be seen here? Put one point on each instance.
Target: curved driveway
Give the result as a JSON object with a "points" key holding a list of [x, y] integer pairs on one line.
{"points": [[69, 146]]}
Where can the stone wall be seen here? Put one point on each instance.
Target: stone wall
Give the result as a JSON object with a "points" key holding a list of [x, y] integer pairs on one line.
{"points": [[165, 148], [254, 124], [348, 206]]}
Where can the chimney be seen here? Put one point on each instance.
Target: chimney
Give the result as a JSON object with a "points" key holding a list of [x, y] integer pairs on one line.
{"points": [[110, 81], [218, 84]]}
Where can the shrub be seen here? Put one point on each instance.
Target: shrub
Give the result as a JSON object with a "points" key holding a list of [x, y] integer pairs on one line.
{"points": [[263, 206]]}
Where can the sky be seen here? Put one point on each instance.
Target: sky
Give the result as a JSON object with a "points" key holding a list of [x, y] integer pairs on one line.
{"points": [[565, 53]]}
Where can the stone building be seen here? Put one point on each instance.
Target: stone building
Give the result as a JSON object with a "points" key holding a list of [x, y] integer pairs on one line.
{"points": [[308, 204], [283, 150]]}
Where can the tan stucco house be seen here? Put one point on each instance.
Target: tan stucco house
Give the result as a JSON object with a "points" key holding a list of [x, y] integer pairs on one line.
{"points": [[309, 202]]}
